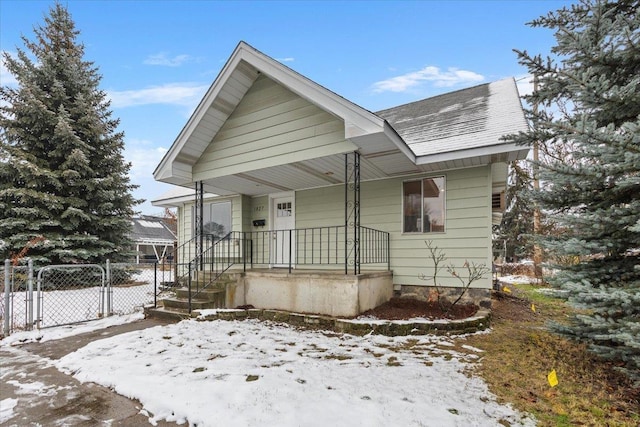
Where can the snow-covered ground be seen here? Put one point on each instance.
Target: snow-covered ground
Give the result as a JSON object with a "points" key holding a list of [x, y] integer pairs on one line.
{"points": [[518, 279], [60, 332], [242, 373]]}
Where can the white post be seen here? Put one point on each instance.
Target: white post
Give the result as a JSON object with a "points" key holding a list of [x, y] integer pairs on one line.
{"points": [[30, 295], [39, 298], [109, 308], [7, 298]]}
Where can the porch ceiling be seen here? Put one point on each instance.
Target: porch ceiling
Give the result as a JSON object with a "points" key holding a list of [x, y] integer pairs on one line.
{"points": [[319, 172]]}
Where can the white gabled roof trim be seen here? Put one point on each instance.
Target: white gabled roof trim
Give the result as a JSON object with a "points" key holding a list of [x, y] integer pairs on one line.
{"points": [[250, 63]]}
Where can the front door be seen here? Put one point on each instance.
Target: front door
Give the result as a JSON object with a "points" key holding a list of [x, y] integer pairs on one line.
{"points": [[283, 233]]}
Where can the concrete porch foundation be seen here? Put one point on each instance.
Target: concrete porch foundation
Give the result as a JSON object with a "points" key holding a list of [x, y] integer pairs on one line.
{"points": [[315, 292]]}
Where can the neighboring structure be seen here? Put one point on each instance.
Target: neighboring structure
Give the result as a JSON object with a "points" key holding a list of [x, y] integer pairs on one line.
{"points": [[154, 239], [361, 191]]}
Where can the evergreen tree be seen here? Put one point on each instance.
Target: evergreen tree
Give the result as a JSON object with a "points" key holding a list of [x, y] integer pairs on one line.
{"points": [[589, 99], [516, 226], [62, 174]]}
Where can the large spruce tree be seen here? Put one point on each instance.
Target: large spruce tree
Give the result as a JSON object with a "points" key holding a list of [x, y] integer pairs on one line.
{"points": [[65, 193], [589, 111]]}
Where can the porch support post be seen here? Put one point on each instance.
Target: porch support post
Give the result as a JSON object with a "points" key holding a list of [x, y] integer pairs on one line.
{"points": [[352, 212], [198, 218]]}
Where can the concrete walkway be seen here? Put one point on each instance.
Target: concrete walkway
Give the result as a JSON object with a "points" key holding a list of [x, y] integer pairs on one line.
{"points": [[47, 397]]}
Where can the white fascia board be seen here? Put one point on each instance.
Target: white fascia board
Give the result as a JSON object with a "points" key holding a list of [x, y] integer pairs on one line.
{"points": [[174, 202], [399, 142], [358, 121], [205, 103], [472, 152]]}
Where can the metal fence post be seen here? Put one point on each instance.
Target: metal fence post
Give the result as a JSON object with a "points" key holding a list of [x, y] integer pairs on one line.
{"points": [[30, 295], [107, 289], [175, 259], [189, 287], [39, 299], [289, 251], [155, 284], [7, 298]]}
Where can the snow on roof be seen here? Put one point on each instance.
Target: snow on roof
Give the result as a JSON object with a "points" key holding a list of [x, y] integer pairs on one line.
{"points": [[468, 118], [150, 228]]}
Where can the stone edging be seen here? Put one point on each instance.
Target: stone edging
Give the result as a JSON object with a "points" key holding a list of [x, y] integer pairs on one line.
{"points": [[476, 323]]}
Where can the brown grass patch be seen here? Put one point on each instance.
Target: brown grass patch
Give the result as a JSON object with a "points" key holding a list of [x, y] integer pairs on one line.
{"points": [[520, 352]]}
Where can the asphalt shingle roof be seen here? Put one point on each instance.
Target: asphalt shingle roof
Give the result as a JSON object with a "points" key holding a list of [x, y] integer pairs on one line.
{"points": [[464, 119]]}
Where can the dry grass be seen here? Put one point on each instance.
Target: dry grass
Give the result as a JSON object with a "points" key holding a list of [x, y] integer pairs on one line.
{"points": [[520, 352]]}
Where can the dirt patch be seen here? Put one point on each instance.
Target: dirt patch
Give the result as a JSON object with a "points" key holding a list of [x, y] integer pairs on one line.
{"points": [[410, 308], [506, 307]]}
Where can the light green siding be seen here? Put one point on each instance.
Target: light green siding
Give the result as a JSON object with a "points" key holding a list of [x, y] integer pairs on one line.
{"points": [[467, 233], [271, 126]]}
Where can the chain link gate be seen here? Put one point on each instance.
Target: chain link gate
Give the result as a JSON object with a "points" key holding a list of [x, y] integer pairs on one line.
{"points": [[14, 306], [69, 294], [74, 293]]}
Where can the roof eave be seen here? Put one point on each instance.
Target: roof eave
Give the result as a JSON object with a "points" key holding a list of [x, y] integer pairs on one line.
{"points": [[513, 151]]}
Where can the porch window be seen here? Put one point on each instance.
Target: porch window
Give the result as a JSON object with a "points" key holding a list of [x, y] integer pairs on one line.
{"points": [[216, 220], [423, 205]]}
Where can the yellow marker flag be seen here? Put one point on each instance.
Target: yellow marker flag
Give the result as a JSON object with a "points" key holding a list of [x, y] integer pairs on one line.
{"points": [[552, 378], [505, 289], [533, 307]]}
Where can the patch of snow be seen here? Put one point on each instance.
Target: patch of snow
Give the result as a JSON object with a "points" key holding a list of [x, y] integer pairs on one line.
{"points": [[6, 409], [261, 373], [519, 279], [471, 348], [35, 387], [58, 332]]}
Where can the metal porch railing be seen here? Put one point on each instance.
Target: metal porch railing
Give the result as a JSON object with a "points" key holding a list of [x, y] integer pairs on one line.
{"points": [[321, 246]]}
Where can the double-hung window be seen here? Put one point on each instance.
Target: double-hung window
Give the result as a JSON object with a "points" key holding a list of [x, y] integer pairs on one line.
{"points": [[423, 207]]}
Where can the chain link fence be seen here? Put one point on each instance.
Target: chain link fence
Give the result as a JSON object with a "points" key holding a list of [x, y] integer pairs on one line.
{"points": [[14, 302], [134, 286], [66, 294]]}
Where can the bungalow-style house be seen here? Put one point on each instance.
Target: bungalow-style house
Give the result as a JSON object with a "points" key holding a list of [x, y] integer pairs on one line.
{"points": [[153, 238], [322, 206]]}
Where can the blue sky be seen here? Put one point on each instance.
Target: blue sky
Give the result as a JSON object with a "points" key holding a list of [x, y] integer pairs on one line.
{"points": [[158, 58]]}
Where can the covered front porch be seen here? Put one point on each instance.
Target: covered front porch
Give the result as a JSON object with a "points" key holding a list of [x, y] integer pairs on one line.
{"points": [[338, 271]]}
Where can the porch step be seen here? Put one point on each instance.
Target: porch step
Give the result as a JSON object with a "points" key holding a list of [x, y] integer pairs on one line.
{"points": [[175, 315], [196, 304], [205, 277], [209, 294]]}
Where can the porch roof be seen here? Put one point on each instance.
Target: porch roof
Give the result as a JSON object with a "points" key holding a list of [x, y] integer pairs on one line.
{"points": [[394, 142]]}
